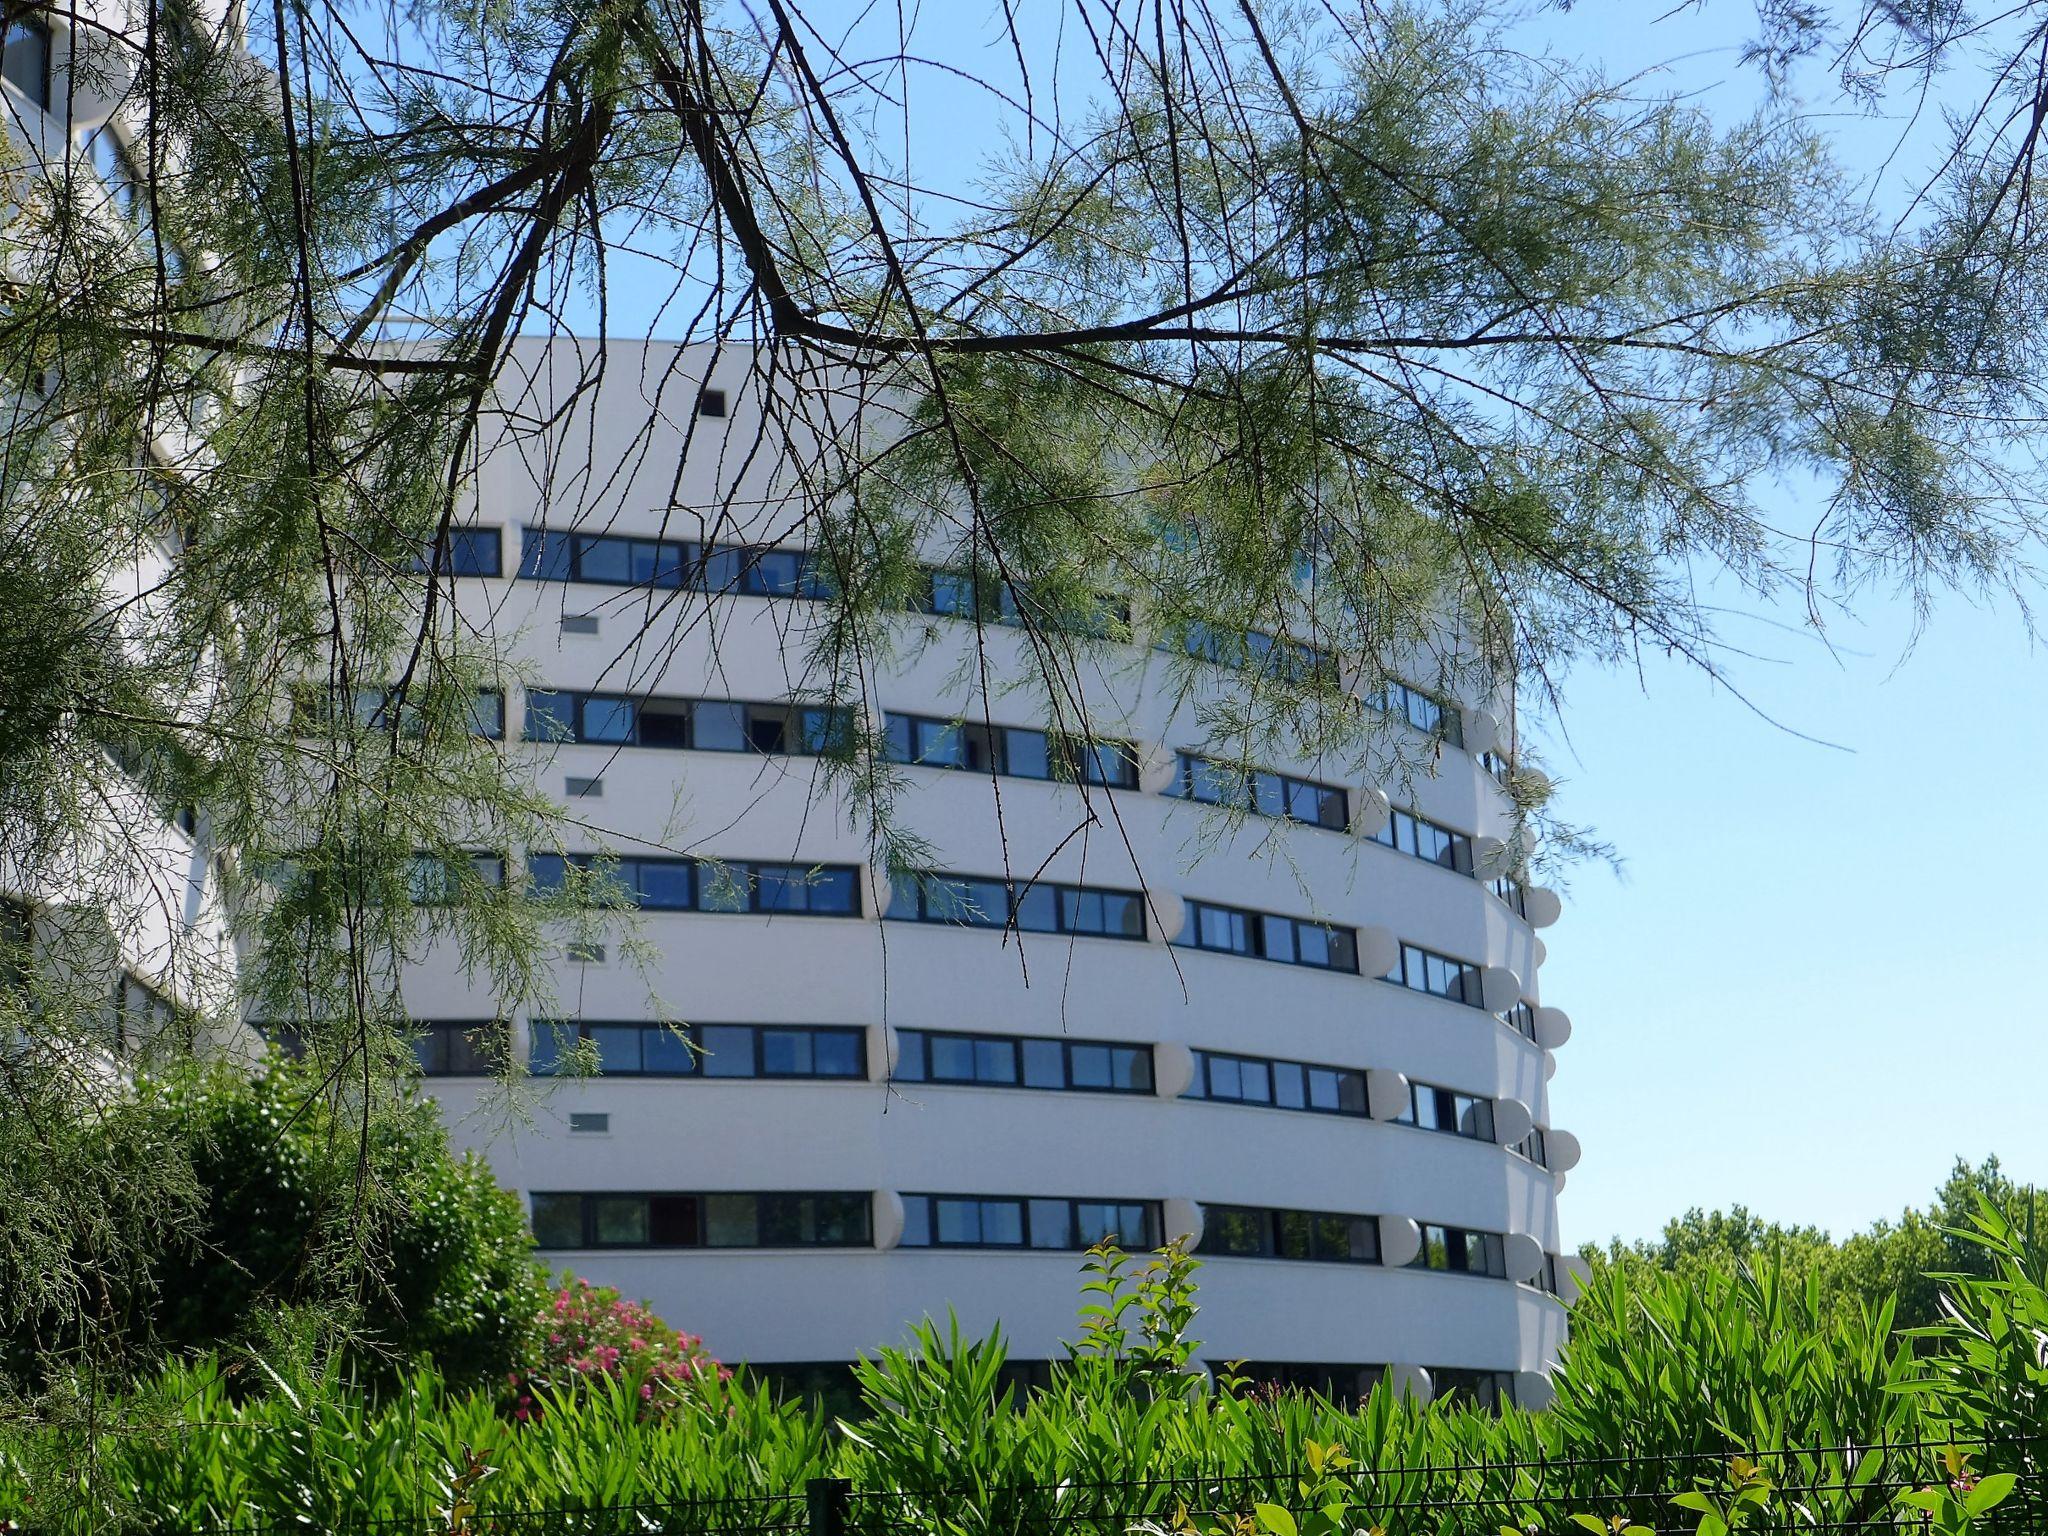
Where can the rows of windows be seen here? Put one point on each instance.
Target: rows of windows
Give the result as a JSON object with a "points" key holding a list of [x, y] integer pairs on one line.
{"points": [[1266, 794], [1461, 1251], [1270, 936], [1254, 650], [466, 552], [705, 725], [1447, 1110], [374, 708], [1230, 1079], [1264, 1232], [1024, 1221], [1425, 711], [834, 1219], [1491, 1390], [635, 1049], [1008, 749], [457, 1047], [1345, 1385], [704, 885], [988, 599], [616, 560], [1039, 907], [1427, 840], [1023, 1061], [437, 881], [1424, 970]]}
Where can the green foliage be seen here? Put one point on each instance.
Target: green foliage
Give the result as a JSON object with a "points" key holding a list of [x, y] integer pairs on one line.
{"points": [[1898, 1262], [439, 1258]]}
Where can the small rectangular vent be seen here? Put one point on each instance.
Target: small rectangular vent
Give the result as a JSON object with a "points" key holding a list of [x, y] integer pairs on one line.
{"points": [[589, 1123], [579, 623], [585, 789], [585, 954], [711, 403]]}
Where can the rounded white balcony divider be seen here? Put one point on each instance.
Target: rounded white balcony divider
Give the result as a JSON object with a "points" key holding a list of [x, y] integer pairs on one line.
{"points": [[880, 892], [1490, 858], [1499, 989], [1574, 1274], [1182, 1218], [1482, 729], [1411, 1381], [1522, 1256], [1556, 1183], [1553, 1027], [1379, 950], [93, 50], [1371, 810], [1386, 1093], [1541, 905], [1511, 1121], [888, 1219], [1158, 766], [1562, 1148], [1165, 916], [1533, 1391], [884, 1052], [1173, 1069], [1549, 1066], [1538, 951], [1400, 1240]]}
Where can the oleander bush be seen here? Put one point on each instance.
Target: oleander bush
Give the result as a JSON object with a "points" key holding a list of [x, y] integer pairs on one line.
{"points": [[1659, 1367]]}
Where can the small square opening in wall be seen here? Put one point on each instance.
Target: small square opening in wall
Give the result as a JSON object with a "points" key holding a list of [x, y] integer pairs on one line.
{"points": [[589, 1123], [579, 623], [584, 954], [584, 789], [711, 402]]}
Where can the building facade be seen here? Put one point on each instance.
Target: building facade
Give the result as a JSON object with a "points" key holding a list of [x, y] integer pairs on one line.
{"points": [[1311, 1041]]}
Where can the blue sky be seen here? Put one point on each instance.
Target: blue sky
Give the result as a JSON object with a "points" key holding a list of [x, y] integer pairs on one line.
{"points": [[1814, 983]]}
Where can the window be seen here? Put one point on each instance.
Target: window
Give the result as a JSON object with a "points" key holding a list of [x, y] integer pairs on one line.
{"points": [[1040, 907], [458, 1048], [1022, 1221], [711, 402], [703, 885], [1270, 936], [1532, 1147], [1462, 1384], [1230, 1079], [373, 709], [1423, 970], [1444, 1109], [435, 881], [1266, 794], [1427, 840], [1254, 650], [1498, 766], [1261, 1232], [1509, 890], [26, 61], [1522, 1020], [1344, 1385], [835, 1219], [1015, 750], [467, 552], [1461, 1252], [617, 560], [990, 600], [141, 1013], [1425, 711], [1022, 1061], [704, 725], [637, 1049], [589, 1123]]}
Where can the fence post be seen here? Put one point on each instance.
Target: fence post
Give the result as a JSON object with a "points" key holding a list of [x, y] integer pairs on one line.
{"points": [[829, 1497]]}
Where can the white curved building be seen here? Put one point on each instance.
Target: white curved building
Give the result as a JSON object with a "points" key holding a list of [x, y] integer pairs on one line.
{"points": [[1319, 1051]]}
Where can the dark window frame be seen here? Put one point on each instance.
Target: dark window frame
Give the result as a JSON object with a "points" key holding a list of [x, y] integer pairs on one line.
{"points": [[1459, 1244], [912, 902], [587, 1210], [1274, 1235], [1067, 756], [1203, 1087], [1188, 781], [1152, 1220], [1411, 972], [441, 557], [1430, 713], [919, 1041], [800, 727], [35, 30], [690, 1037], [1458, 1101], [745, 570], [439, 1037], [729, 875], [1403, 833], [1262, 946]]}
